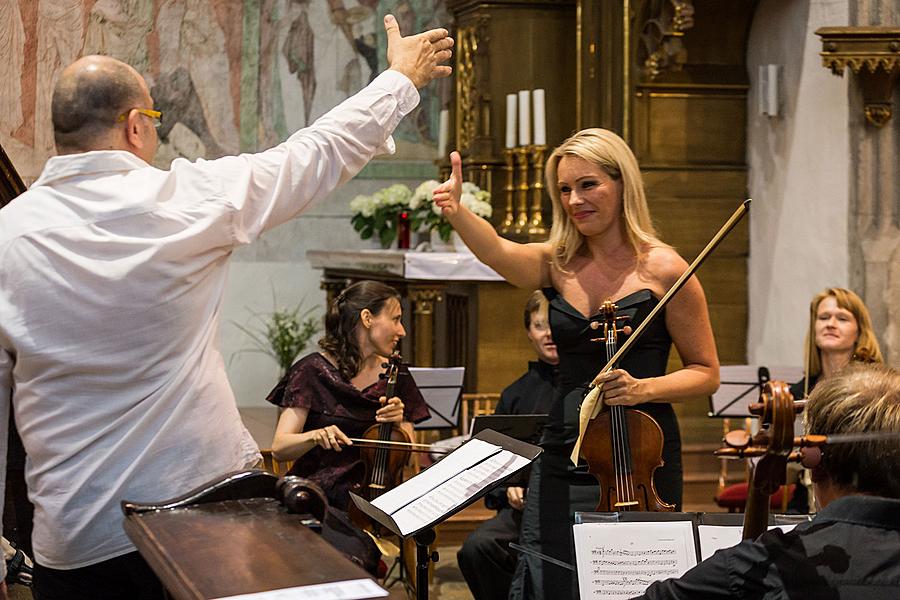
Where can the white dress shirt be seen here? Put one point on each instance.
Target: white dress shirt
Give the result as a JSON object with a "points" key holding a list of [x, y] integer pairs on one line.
{"points": [[112, 274]]}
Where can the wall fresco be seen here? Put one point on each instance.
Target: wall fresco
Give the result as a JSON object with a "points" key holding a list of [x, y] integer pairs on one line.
{"points": [[230, 76]]}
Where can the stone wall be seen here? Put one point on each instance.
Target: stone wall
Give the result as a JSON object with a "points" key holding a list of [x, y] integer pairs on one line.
{"points": [[874, 216]]}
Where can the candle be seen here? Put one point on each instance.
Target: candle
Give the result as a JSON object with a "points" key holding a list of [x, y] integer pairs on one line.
{"points": [[524, 118], [540, 123], [443, 132], [510, 120]]}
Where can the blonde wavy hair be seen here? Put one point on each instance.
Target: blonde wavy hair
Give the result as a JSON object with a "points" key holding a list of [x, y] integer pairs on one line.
{"points": [[866, 348], [609, 152], [861, 398]]}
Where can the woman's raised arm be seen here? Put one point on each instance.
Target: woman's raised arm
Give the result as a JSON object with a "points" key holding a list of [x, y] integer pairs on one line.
{"points": [[522, 265]]}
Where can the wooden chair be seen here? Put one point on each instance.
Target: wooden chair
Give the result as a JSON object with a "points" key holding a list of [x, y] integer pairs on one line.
{"points": [[274, 466], [733, 496], [473, 405]]}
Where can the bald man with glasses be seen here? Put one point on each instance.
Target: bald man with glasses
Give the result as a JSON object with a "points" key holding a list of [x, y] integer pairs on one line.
{"points": [[111, 283]]}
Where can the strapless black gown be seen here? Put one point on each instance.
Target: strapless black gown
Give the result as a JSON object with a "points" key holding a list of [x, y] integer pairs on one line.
{"points": [[556, 489]]}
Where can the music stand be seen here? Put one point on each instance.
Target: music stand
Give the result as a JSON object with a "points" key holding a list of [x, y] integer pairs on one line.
{"points": [[442, 388], [521, 427], [740, 385], [416, 506]]}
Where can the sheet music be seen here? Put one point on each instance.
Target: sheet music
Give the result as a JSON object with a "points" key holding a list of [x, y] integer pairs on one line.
{"points": [[456, 490], [353, 589], [717, 537], [619, 560], [470, 453]]}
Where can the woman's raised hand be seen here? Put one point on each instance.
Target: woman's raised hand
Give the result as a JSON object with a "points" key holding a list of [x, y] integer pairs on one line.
{"points": [[331, 438], [391, 410], [447, 194]]}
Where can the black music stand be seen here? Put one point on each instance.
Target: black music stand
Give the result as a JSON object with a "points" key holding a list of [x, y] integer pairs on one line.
{"points": [[442, 389], [740, 385], [510, 456]]}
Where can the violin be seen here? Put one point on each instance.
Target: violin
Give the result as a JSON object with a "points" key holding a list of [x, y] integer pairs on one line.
{"points": [[385, 461], [623, 447]]}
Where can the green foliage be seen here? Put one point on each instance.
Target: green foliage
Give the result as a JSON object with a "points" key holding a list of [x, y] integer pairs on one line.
{"points": [[283, 334]]}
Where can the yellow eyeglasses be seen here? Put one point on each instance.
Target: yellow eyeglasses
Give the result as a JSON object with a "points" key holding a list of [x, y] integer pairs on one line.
{"points": [[153, 114]]}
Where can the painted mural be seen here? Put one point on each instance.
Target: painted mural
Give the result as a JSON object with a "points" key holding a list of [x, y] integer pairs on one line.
{"points": [[230, 76]]}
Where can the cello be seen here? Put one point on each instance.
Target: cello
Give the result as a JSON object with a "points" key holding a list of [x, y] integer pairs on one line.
{"points": [[625, 477], [773, 445]]}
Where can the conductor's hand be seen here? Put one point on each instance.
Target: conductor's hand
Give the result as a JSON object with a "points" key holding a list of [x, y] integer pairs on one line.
{"points": [[447, 194], [516, 496], [619, 387], [331, 438], [391, 411], [418, 56]]}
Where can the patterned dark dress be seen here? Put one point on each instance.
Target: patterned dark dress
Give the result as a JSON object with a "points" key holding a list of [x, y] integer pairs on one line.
{"points": [[317, 385], [556, 489]]}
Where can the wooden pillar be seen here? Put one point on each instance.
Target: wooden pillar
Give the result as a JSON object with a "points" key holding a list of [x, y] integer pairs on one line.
{"points": [[423, 300]]}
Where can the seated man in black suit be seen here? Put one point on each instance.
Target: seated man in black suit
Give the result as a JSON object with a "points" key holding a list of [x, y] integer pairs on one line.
{"points": [[485, 558]]}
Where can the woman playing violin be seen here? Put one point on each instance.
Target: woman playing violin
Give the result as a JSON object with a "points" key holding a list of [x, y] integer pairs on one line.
{"points": [[332, 396], [602, 246]]}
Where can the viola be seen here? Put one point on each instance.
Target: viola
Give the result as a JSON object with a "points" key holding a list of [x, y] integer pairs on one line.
{"points": [[623, 447]]}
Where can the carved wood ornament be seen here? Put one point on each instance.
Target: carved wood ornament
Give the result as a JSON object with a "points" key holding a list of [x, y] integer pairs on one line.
{"points": [[661, 36], [873, 54]]}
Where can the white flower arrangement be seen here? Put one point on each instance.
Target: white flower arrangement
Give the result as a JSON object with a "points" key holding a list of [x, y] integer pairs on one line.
{"points": [[378, 214]]}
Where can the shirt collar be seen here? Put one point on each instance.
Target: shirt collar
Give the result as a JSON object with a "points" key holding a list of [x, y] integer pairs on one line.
{"points": [[544, 368], [873, 511], [88, 163]]}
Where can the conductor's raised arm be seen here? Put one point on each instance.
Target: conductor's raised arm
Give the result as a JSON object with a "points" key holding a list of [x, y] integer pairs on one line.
{"points": [[419, 57]]}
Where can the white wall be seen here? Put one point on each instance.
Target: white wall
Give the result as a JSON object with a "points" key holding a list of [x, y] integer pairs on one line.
{"points": [[798, 178], [278, 262]]}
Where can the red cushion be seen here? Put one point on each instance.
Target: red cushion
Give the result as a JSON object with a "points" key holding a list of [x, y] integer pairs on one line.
{"points": [[735, 496]]}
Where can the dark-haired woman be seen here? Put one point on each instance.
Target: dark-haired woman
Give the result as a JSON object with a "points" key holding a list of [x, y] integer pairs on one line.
{"points": [[336, 394]]}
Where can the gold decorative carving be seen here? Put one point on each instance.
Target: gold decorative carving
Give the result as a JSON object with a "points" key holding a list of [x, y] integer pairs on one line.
{"points": [[506, 226], [473, 105], [521, 226], [423, 300], [536, 229], [873, 54], [662, 31], [333, 287]]}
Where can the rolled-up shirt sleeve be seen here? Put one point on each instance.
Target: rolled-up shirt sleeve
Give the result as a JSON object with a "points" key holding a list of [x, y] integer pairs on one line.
{"points": [[271, 187]]}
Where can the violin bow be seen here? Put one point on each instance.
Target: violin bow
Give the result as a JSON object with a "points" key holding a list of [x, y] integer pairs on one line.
{"points": [[590, 406]]}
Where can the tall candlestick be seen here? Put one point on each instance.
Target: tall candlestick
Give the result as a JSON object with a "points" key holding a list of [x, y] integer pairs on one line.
{"points": [[510, 121], [540, 123], [443, 132], [524, 118]]}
